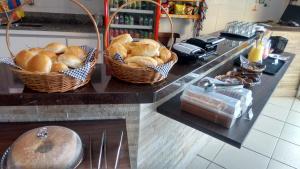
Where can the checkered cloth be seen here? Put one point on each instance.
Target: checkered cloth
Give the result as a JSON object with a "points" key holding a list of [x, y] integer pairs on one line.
{"points": [[162, 69], [79, 73], [9, 61]]}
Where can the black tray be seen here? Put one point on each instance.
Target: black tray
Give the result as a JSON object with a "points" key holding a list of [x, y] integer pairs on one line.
{"points": [[272, 69]]}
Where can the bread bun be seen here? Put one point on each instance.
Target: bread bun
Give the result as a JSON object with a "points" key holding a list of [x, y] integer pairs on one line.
{"points": [[159, 60], [59, 67], [152, 42], [134, 65], [76, 51], [117, 48], [122, 39], [35, 51], [23, 58], [57, 48], [144, 49], [40, 64], [165, 54], [70, 60], [142, 61], [50, 54]]}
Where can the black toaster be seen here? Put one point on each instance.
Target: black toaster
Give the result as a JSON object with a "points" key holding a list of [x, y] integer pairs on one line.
{"points": [[188, 52]]}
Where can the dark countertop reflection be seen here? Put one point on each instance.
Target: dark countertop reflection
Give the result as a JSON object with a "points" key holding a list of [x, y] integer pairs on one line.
{"points": [[105, 89]]}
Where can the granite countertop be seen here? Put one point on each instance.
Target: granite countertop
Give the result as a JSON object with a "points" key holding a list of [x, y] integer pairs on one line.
{"points": [[278, 27], [105, 89], [34, 21]]}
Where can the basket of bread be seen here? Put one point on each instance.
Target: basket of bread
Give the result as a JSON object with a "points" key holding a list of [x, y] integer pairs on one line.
{"points": [[145, 61], [54, 67]]}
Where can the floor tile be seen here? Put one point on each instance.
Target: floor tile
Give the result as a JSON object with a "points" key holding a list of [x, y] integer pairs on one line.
{"points": [[269, 125], [234, 158], [287, 153], [214, 166], [296, 105], [210, 150], [277, 112], [294, 118], [261, 142], [291, 133], [198, 163], [278, 165], [282, 101]]}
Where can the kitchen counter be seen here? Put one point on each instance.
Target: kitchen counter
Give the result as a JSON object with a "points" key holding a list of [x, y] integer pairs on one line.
{"points": [[154, 140], [238, 132], [277, 27], [104, 89]]}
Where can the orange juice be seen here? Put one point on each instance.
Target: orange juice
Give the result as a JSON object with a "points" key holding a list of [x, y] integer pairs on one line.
{"points": [[256, 53]]}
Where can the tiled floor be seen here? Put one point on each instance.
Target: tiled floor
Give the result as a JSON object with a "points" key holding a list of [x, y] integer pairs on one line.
{"points": [[273, 143]]}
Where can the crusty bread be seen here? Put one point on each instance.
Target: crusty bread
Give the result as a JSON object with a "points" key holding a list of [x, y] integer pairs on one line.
{"points": [[59, 67], [50, 54], [23, 58], [151, 41], [134, 65], [122, 39], [159, 60], [142, 61], [144, 49], [35, 51], [57, 48], [165, 54], [117, 48], [77, 51], [70, 60], [40, 64]]}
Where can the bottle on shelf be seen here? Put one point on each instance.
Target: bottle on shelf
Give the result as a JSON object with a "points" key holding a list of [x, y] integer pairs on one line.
{"points": [[121, 19], [126, 20], [150, 21], [116, 3], [146, 21], [131, 18], [141, 20]]}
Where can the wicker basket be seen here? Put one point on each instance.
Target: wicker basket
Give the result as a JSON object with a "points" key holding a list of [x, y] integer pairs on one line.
{"points": [[130, 74], [54, 82]]}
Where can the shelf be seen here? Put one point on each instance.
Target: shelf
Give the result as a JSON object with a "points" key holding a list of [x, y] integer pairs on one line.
{"points": [[236, 135], [130, 26], [181, 16], [133, 11]]}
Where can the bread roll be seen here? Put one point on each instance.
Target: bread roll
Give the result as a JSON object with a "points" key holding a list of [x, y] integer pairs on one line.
{"points": [[159, 60], [144, 49], [50, 54], [57, 48], [35, 51], [142, 61], [134, 65], [40, 64], [23, 58], [59, 67], [117, 48], [151, 41], [165, 54], [70, 60], [122, 39], [76, 51]]}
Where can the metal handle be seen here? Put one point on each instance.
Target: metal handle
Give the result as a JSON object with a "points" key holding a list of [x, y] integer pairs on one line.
{"points": [[129, 3], [42, 133], [84, 8]]}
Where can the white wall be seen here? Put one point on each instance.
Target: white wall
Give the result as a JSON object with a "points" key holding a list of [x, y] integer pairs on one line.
{"points": [[65, 6], [221, 12]]}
